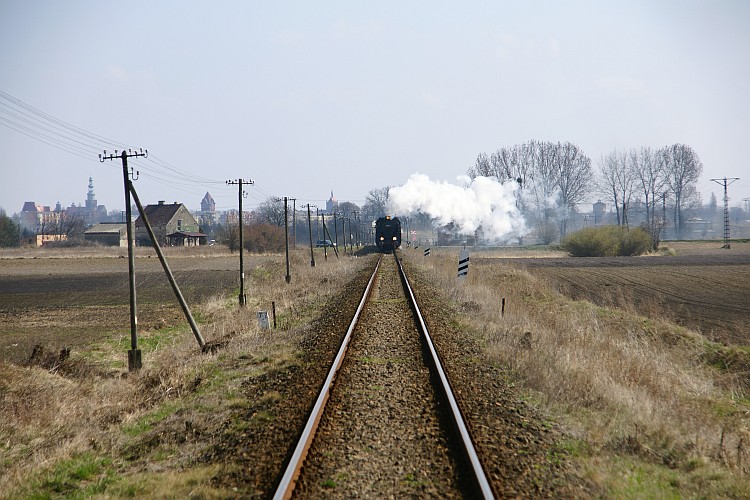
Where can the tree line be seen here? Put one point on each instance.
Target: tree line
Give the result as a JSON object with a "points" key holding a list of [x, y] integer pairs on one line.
{"points": [[553, 178]]}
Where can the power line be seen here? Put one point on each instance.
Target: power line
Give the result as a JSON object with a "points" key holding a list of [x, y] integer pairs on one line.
{"points": [[726, 181], [61, 123], [47, 129]]}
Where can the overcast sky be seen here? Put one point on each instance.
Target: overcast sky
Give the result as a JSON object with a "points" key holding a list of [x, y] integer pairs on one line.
{"points": [[309, 97]]}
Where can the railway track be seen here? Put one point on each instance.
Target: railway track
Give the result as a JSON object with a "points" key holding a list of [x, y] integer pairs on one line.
{"points": [[386, 422]]}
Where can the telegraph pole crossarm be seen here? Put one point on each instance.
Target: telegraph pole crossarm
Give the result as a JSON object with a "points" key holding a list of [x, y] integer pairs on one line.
{"points": [[240, 182], [134, 354], [725, 182]]}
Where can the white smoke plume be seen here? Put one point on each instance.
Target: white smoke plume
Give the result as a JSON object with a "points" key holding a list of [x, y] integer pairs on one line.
{"points": [[472, 203]]}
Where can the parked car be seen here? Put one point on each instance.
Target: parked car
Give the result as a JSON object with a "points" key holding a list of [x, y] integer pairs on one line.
{"points": [[325, 243]]}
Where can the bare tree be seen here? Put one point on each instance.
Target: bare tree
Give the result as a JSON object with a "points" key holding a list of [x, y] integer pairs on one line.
{"points": [[683, 169], [515, 163], [376, 203], [573, 172], [650, 176], [271, 211], [482, 167], [347, 208], [550, 176], [617, 181], [545, 183]]}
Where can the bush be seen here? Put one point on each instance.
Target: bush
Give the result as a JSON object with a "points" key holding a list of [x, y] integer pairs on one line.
{"points": [[635, 242], [263, 237], [607, 241]]}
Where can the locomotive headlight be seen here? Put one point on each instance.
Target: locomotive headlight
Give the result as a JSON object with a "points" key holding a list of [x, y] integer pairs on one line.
{"points": [[381, 238], [394, 238]]}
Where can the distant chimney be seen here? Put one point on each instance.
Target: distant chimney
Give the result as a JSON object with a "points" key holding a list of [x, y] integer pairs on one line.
{"points": [[161, 202]]}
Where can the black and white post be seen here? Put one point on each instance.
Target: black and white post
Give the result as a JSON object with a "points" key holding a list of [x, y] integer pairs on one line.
{"points": [[463, 263]]}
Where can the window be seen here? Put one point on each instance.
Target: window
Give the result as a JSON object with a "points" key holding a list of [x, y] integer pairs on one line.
{"points": [[179, 224]]}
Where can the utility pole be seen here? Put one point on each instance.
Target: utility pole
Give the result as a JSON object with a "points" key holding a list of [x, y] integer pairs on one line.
{"points": [[242, 194], [343, 231], [325, 245], [309, 227], [134, 354], [356, 226], [294, 223], [335, 229], [286, 238], [351, 236], [726, 181]]}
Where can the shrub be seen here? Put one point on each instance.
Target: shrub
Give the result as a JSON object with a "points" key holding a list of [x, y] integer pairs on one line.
{"points": [[263, 237], [634, 242], [607, 241]]}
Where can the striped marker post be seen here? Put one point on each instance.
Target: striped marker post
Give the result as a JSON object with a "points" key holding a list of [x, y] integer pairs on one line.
{"points": [[427, 252], [463, 263]]}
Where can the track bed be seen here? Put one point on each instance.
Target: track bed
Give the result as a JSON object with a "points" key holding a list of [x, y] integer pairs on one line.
{"points": [[382, 434]]}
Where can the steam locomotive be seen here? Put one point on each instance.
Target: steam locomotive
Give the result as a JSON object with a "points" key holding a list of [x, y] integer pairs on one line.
{"points": [[388, 233]]}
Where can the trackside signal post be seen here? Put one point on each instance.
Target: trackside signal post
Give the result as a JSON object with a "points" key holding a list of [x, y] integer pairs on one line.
{"points": [[242, 194], [134, 354]]}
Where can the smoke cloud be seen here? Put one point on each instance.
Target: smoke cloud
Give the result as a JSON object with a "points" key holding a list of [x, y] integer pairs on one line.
{"points": [[472, 203]]}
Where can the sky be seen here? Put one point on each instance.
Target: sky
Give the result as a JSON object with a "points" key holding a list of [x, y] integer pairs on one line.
{"points": [[306, 98]]}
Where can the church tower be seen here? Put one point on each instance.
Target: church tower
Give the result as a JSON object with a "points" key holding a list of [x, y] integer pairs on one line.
{"points": [[331, 204], [90, 197]]}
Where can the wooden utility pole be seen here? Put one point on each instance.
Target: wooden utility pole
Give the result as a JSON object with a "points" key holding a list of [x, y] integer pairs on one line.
{"points": [[309, 228], [286, 237], [335, 229], [294, 223], [134, 354], [240, 182], [325, 243]]}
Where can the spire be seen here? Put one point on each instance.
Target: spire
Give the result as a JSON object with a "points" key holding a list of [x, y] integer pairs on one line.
{"points": [[90, 197]]}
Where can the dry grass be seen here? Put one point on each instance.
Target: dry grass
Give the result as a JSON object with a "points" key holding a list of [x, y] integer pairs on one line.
{"points": [[78, 427], [647, 415]]}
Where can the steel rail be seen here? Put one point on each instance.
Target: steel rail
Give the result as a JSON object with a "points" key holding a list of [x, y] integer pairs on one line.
{"points": [[476, 466], [286, 485]]}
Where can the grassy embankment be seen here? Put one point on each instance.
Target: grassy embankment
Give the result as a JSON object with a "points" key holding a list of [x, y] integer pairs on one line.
{"points": [[652, 410], [87, 427]]}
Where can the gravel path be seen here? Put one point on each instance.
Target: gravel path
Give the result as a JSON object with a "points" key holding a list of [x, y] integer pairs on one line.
{"points": [[381, 435]]}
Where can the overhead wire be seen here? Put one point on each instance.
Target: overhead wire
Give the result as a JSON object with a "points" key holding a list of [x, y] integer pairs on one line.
{"points": [[38, 125], [58, 122]]}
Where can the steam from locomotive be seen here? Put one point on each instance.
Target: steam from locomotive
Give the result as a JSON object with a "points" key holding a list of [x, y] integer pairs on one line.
{"points": [[472, 203]]}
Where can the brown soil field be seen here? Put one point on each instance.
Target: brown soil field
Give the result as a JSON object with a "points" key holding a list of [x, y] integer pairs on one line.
{"points": [[68, 302], [703, 287]]}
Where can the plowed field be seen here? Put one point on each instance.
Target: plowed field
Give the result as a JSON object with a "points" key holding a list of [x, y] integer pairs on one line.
{"points": [[67, 302], [703, 287]]}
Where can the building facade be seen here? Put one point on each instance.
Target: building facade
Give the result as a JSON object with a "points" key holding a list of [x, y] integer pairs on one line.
{"points": [[172, 224]]}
